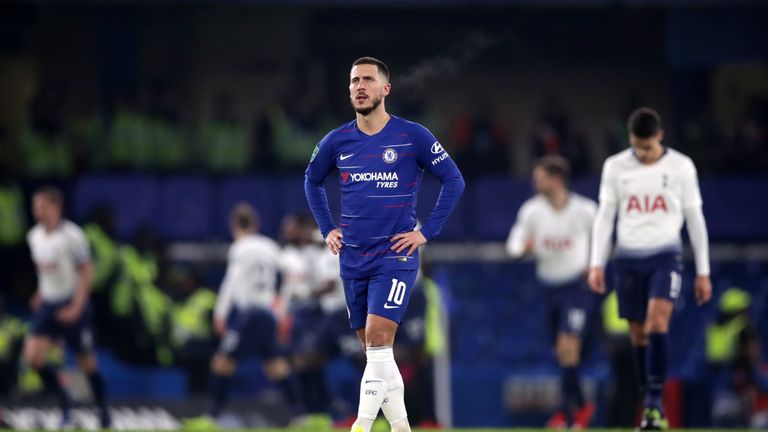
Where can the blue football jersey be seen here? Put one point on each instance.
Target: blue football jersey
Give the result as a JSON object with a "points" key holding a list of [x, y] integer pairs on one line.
{"points": [[380, 176]]}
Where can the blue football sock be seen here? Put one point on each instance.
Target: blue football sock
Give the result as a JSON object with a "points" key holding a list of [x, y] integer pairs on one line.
{"points": [[99, 394], [572, 395], [50, 378], [640, 367], [220, 385], [657, 370]]}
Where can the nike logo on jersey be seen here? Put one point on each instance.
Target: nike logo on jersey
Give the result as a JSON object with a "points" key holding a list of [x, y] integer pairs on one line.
{"points": [[370, 381], [344, 157], [386, 306]]}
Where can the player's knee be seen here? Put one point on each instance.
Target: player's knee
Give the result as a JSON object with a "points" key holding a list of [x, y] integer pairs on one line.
{"points": [[378, 338], [87, 362], [277, 369], [34, 355], [568, 356], [567, 351], [638, 335], [656, 324], [223, 365]]}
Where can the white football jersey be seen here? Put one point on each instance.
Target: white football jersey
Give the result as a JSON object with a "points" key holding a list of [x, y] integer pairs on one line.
{"points": [[295, 268], [325, 270], [561, 237], [57, 254], [251, 277], [650, 200]]}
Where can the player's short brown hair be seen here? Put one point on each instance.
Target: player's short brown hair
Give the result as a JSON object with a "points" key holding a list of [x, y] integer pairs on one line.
{"points": [[380, 65], [244, 216], [52, 194], [644, 122], [554, 165]]}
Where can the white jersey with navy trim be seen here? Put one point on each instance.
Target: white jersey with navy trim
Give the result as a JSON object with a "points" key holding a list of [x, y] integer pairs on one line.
{"points": [[251, 277], [561, 238], [295, 268], [57, 255], [650, 200]]}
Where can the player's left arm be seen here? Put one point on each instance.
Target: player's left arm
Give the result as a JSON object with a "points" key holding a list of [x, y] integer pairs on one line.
{"points": [[81, 252], [431, 155], [520, 240], [697, 232]]}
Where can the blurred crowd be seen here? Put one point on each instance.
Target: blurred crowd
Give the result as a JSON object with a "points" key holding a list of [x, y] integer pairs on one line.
{"points": [[64, 136]]}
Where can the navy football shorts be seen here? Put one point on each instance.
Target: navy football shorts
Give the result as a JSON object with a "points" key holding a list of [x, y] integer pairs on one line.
{"points": [[250, 332], [640, 279], [570, 304], [384, 294], [77, 336]]}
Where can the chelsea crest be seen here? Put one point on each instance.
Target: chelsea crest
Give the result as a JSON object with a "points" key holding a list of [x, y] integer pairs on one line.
{"points": [[389, 156]]}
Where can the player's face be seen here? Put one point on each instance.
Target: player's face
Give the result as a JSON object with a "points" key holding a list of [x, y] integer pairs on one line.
{"points": [[648, 150], [543, 183], [367, 88], [45, 210]]}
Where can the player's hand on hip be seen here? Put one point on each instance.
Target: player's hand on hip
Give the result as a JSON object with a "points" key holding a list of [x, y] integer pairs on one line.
{"points": [[703, 289], [219, 326], [410, 240], [69, 314], [333, 240], [597, 280]]}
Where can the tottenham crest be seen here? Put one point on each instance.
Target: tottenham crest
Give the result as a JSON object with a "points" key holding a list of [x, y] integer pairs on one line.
{"points": [[389, 156]]}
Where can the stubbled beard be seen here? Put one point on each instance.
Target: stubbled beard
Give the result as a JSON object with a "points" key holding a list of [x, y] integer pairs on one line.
{"points": [[367, 110]]}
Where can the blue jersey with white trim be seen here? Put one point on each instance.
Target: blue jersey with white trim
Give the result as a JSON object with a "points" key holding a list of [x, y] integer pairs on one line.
{"points": [[380, 177]]}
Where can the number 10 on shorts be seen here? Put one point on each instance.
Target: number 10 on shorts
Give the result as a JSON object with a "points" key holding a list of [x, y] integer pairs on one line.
{"points": [[397, 292]]}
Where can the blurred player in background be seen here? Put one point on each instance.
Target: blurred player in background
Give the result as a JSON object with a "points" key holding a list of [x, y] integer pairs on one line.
{"points": [[381, 160], [243, 316], [654, 189], [554, 226], [65, 274], [303, 314]]}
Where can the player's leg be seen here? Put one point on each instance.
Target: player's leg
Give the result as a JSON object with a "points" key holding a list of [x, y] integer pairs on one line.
{"points": [[639, 340], [554, 299], [664, 288], [307, 360], [224, 362], [35, 354], [262, 328], [573, 323], [356, 293], [223, 367], [36, 346], [387, 301], [567, 349], [380, 375], [656, 329], [80, 340]]}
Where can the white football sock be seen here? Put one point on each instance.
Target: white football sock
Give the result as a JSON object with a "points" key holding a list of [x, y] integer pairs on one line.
{"points": [[374, 385], [394, 410]]}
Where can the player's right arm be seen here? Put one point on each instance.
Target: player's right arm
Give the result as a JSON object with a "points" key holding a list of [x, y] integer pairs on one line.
{"points": [[226, 294], [603, 229], [520, 240], [320, 165], [36, 300]]}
